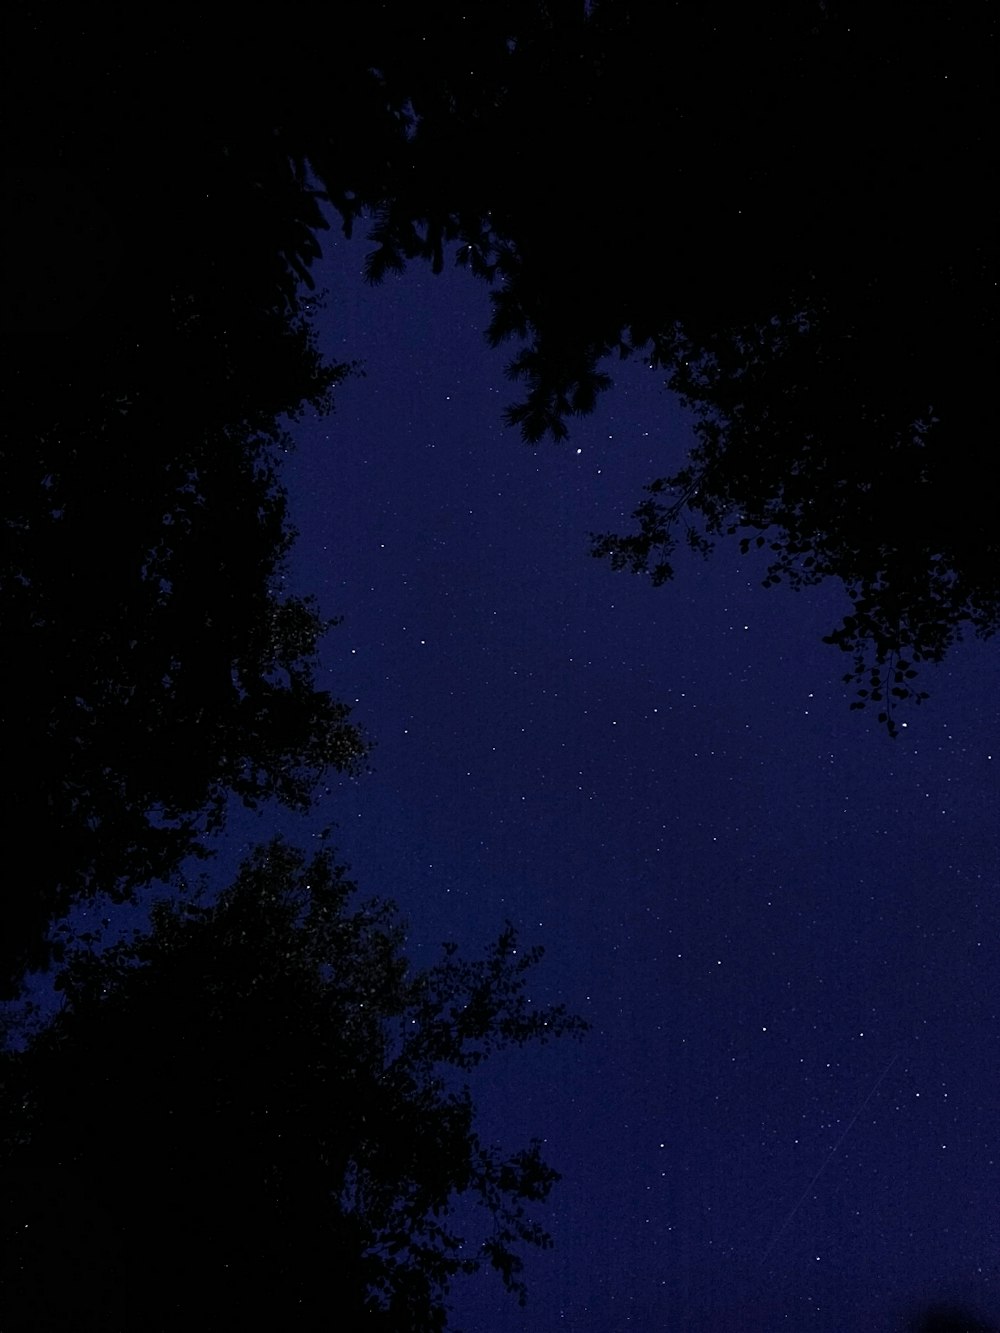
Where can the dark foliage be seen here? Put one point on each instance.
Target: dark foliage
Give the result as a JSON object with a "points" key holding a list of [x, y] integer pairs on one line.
{"points": [[812, 266], [809, 265], [950, 1319], [812, 461], [157, 663], [258, 1112], [786, 209], [154, 344]]}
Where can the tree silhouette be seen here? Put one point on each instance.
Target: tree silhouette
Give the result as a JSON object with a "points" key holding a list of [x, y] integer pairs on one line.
{"points": [[158, 664], [259, 1110], [949, 1319], [828, 324], [816, 284], [800, 449]]}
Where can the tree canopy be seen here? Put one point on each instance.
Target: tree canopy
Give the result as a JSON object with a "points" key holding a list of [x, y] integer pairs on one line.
{"points": [[263, 1112], [785, 210], [155, 349]]}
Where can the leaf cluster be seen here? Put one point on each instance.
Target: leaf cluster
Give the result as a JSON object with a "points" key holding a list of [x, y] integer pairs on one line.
{"points": [[837, 398], [797, 453], [158, 664], [267, 1074]]}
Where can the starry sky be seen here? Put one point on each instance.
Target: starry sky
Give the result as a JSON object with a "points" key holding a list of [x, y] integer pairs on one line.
{"points": [[781, 924]]}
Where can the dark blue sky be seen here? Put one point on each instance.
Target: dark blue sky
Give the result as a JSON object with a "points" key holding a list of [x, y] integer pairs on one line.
{"points": [[781, 924]]}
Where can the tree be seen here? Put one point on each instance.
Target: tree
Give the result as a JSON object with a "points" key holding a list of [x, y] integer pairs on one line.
{"points": [[157, 663], [949, 1319], [258, 1110], [801, 450], [828, 322], [819, 288], [160, 666]]}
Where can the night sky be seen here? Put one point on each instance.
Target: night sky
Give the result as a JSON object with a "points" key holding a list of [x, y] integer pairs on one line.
{"points": [[781, 924]]}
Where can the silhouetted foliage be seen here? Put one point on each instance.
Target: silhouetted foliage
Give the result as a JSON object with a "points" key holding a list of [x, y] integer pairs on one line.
{"points": [[803, 463], [159, 664], [950, 1319], [154, 345], [827, 318], [258, 1111], [785, 209], [749, 198]]}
